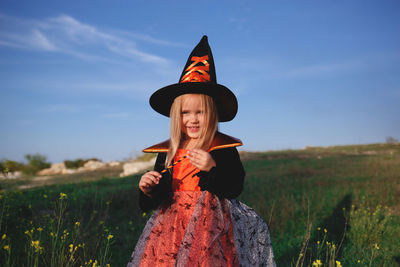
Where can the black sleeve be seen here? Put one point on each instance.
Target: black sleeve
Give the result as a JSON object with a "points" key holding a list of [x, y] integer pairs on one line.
{"points": [[226, 179], [161, 191]]}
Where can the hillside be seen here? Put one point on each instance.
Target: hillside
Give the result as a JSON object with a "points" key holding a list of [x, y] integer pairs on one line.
{"points": [[348, 196]]}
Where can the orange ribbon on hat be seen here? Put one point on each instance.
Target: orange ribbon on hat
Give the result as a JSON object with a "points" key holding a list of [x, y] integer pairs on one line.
{"points": [[197, 73]]}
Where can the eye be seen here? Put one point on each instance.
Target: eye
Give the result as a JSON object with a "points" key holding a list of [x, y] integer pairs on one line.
{"points": [[200, 112]]}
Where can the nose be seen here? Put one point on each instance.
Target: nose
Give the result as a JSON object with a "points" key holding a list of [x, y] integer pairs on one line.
{"points": [[194, 118]]}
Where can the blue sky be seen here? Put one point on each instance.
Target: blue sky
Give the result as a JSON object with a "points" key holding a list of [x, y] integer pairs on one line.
{"points": [[76, 76]]}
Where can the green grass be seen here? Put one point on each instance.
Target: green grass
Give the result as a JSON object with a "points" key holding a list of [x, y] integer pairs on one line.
{"points": [[336, 188]]}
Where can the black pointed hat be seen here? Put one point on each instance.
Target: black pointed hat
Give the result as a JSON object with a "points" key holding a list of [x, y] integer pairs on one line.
{"points": [[198, 77]]}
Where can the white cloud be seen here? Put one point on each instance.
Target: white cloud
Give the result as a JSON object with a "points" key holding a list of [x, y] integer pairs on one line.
{"points": [[40, 40], [150, 39], [68, 35], [10, 44]]}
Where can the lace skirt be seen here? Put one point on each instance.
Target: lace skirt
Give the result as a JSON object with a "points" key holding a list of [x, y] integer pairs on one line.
{"points": [[199, 229]]}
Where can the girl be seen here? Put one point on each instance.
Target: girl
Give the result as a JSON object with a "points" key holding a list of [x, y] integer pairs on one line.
{"points": [[197, 175]]}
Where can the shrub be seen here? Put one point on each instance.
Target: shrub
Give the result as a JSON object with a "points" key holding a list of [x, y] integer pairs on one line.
{"points": [[94, 159], [74, 164], [36, 163], [7, 165]]}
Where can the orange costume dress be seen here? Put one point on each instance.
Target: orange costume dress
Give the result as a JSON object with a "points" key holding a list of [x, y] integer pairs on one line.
{"points": [[197, 228]]}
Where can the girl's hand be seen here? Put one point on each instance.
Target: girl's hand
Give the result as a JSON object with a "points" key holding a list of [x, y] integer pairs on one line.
{"points": [[201, 159], [148, 181]]}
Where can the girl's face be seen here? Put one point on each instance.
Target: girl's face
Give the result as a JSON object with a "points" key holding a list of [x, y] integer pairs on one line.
{"points": [[192, 116]]}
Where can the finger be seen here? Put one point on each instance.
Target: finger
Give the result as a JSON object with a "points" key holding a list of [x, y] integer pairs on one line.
{"points": [[192, 158], [154, 173], [193, 152], [199, 151], [150, 177], [151, 180], [197, 163], [154, 179], [197, 155]]}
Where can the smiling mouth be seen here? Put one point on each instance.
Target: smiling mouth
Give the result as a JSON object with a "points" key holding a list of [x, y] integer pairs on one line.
{"points": [[193, 128]]}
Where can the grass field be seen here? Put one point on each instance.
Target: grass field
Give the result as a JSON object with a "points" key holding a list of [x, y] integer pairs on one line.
{"points": [[322, 205]]}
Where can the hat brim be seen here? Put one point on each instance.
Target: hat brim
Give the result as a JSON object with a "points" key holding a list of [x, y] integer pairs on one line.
{"points": [[226, 102]]}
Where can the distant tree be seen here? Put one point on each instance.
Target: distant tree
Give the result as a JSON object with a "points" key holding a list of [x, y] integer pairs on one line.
{"points": [[3, 168], [391, 140], [7, 165], [36, 163]]}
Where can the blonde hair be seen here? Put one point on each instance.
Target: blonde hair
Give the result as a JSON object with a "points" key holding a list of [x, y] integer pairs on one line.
{"points": [[207, 132]]}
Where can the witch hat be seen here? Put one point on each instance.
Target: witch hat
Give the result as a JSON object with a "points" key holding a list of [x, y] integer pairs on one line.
{"points": [[198, 77]]}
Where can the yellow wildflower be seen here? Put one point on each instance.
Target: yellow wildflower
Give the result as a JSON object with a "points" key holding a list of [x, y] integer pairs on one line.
{"points": [[3, 237], [7, 247], [51, 234], [77, 224], [63, 196], [71, 248], [36, 245], [318, 242], [376, 246], [319, 228], [338, 264], [325, 230], [39, 229], [358, 261], [44, 196], [94, 263], [109, 237], [317, 263], [108, 265]]}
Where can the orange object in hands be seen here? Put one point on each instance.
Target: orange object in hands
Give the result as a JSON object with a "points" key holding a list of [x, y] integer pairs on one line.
{"points": [[184, 177]]}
